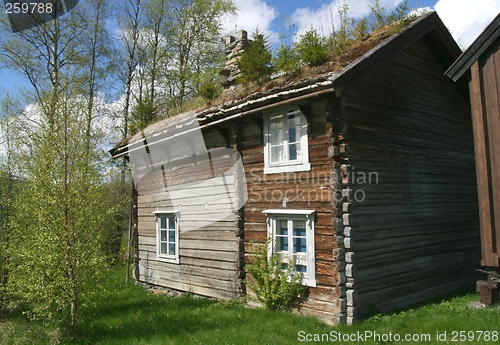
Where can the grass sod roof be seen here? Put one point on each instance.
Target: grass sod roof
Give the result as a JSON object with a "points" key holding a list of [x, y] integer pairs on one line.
{"points": [[337, 75]]}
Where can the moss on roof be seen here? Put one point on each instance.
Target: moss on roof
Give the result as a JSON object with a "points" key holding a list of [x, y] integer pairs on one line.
{"points": [[245, 96]]}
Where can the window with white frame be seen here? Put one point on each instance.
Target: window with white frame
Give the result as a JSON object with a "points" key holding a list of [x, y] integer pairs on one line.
{"points": [[285, 140], [167, 236], [291, 234]]}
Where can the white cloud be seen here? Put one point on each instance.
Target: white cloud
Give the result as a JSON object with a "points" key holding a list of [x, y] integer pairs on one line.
{"points": [[466, 19], [327, 17], [252, 14]]}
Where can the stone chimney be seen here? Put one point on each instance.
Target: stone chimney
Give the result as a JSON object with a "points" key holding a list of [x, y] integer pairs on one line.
{"points": [[234, 49]]}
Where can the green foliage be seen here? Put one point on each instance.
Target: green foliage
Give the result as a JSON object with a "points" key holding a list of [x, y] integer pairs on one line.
{"points": [[195, 28], [4, 230], [61, 218], [286, 60], [379, 16], [361, 29], [9, 183], [400, 12], [144, 113], [255, 61], [274, 285], [343, 36], [210, 90], [312, 48]]}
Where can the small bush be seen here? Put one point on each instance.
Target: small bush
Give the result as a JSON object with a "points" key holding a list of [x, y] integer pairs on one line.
{"points": [[210, 90], [255, 62], [274, 285], [286, 60], [312, 48]]}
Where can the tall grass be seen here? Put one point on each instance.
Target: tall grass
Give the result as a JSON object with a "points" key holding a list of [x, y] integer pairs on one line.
{"points": [[116, 313]]}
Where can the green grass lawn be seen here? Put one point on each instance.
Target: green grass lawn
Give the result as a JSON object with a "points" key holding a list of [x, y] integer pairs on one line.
{"points": [[122, 314]]}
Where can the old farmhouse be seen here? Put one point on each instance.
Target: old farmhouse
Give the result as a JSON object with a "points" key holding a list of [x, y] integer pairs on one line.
{"points": [[361, 170]]}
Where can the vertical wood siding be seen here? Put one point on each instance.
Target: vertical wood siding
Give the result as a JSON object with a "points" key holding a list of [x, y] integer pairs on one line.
{"points": [[485, 102], [413, 223]]}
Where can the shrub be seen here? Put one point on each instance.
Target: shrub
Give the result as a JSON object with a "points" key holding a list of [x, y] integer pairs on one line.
{"points": [[286, 60], [312, 48], [210, 90], [274, 285], [255, 61]]}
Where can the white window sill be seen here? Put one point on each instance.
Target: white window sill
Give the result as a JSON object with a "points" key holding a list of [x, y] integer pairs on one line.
{"points": [[169, 260], [289, 212], [287, 168], [309, 282]]}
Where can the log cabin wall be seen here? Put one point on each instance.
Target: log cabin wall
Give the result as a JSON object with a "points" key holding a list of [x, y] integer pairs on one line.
{"points": [[412, 225], [210, 256], [312, 190], [485, 102]]}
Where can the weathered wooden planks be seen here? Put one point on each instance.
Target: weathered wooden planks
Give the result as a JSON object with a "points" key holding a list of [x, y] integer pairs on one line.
{"points": [[485, 101], [301, 190], [209, 244], [413, 227]]}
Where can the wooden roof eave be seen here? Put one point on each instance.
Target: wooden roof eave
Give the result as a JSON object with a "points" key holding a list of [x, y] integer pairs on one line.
{"points": [[216, 116], [462, 65]]}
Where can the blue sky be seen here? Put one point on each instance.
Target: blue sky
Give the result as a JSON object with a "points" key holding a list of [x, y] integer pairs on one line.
{"points": [[464, 18]]}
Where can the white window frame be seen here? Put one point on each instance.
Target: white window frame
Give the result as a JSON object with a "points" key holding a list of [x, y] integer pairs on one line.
{"points": [[273, 216], [286, 165], [172, 258]]}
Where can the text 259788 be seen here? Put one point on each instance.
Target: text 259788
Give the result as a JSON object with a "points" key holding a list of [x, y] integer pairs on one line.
{"points": [[28, 7]]}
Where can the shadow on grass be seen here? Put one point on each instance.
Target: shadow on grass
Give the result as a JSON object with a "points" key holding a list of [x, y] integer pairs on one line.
{"points": [[153, 316], [440, 298]]}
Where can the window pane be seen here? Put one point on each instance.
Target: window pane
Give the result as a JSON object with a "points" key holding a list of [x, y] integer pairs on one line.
{"points": [[299, 228], [293, 118], [282, 235], [163, 248], [299, 236], [276, 122], [293, 152], [292, 135], [301, 268], [171, 223], [281, 243], [297, 150], [171, 236], [163, 223], [171, 248], [277, 137], [276, 153], [163, 235], [282, 227], [299, 245]]}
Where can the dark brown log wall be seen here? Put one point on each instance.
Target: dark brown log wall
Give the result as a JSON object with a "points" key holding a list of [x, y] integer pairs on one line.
{"points": [[310, 190], [412, 228]]}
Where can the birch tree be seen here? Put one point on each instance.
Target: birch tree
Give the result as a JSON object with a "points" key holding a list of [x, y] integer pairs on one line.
{"points": [[196, 44], [8, 109], [61, 219]]}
